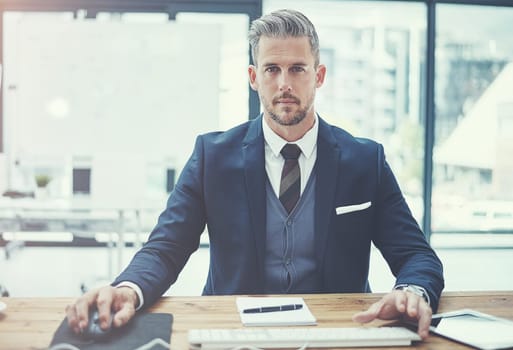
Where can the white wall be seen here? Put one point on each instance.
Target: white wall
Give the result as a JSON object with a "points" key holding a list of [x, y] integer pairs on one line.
{"points": [[110, 91]]}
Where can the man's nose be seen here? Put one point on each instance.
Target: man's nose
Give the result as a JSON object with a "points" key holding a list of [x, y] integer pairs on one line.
{"points": [[284, 82]]}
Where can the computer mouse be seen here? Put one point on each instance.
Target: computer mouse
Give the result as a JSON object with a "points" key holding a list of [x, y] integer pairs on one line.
{"points": [[93, 330]]}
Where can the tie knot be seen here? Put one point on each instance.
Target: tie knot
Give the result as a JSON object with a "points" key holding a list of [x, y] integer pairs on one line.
{"points": [[290, 151]]}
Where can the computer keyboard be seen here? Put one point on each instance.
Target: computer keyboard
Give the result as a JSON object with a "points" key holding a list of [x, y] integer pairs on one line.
{"points": [[315, 337]]}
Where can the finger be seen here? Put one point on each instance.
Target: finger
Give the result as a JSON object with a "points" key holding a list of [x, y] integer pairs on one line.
{"points": [[82, 306], [104, 304], [401, 300], [412, 308], [124, 314], [71, 315], [370, 314], [124, 304], [425, 314]]}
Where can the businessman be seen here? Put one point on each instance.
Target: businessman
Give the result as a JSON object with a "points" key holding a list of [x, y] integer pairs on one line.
{"points": [[292, 204]]}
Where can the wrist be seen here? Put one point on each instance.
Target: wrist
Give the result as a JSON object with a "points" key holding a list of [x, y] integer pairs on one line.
{"points": [[131, 295], [414, 289]]}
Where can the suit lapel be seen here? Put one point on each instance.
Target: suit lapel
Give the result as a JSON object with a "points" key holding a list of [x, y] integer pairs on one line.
{"points": [[327, 172], [255, 175]]}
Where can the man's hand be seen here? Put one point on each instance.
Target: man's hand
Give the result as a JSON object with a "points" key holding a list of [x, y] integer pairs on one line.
{"points": [[399, 304], [122, 301]]}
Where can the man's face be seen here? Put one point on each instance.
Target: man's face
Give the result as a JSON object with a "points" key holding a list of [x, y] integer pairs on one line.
{"points": [[286, 79]]}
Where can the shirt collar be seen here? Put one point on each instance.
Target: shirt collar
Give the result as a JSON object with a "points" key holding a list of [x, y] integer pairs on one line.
{"points": [[306, 143]]}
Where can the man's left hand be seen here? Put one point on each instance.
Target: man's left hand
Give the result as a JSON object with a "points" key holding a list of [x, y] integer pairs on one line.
{"points": [[399, 304]]}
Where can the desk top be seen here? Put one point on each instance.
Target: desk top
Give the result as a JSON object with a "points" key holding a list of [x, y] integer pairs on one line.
{"points": [[29, 323]]}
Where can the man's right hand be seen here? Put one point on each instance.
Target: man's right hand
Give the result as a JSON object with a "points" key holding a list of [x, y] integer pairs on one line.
{"points": [[122, 301]]}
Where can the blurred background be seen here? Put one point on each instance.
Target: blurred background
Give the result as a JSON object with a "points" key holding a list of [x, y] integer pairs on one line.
{"points": [[101, 101]]}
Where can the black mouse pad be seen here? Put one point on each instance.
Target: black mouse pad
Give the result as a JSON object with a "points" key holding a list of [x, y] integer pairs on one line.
{"points": [[143, 329]]}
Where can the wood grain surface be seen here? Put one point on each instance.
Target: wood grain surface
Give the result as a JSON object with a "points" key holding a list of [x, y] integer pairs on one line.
{"points": [[29, 323]]}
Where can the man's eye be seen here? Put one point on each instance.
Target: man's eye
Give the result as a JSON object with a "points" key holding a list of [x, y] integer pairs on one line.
{"points": [[297, 69], [272, 69]]}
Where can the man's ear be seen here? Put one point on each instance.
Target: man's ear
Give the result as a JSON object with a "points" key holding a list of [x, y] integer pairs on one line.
{"points": [[252, 72], [320, 75]]}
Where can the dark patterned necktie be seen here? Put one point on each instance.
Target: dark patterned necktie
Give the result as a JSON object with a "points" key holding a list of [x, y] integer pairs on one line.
{"points": [[290, 185]]}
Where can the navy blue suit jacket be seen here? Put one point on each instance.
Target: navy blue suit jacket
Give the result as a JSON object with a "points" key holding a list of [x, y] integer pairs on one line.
{"points": [[223, 186]]}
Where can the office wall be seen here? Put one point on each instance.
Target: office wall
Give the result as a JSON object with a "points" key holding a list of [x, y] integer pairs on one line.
{"points": [[149, 91]]}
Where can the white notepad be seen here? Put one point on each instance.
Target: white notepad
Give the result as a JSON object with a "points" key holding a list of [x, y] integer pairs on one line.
{"points": [[301, 317]]}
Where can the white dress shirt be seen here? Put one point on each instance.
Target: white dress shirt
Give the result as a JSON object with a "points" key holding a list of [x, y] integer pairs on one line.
{"points": [[274, 160]]}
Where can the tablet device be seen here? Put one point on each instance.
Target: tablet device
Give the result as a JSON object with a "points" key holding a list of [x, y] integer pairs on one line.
{"points": [[474, 328]]}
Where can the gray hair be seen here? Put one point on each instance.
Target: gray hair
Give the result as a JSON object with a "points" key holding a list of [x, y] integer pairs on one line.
{"points": [[282, 24]]}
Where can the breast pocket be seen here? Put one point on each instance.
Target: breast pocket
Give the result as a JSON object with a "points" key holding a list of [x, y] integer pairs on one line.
{"points": [[354, 221]]}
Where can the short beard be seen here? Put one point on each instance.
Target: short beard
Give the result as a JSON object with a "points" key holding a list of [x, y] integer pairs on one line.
{"points": [[300, 115], [298, 118]]}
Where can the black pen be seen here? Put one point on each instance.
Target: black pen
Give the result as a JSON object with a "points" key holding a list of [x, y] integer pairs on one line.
{"points": [[272, 308]]}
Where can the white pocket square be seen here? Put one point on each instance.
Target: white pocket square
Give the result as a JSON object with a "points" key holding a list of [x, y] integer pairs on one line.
{"points": [[350, 208]]}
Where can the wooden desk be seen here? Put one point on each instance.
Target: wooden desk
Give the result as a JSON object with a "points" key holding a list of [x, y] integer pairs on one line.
{"points": [[29, 323]]}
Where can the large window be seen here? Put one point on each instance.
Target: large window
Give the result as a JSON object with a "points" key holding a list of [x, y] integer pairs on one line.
{"points": [[473, 162], [119, 95], [119, 91]]}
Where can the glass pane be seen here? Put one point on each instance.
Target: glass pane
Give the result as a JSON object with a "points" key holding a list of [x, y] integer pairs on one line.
{"points": [[473, 163], [374, 53], [233, 64], [127, 92]]}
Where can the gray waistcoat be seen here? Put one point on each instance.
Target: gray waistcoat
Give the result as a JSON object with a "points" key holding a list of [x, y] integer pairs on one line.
{"points": [[290, 265]]}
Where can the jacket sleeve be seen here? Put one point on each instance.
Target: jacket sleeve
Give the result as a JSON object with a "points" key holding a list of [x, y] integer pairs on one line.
{"points": [[400, 239]]}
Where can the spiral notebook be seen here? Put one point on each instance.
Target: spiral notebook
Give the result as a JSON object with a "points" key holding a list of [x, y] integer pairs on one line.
{"points": [[300, 317]]}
